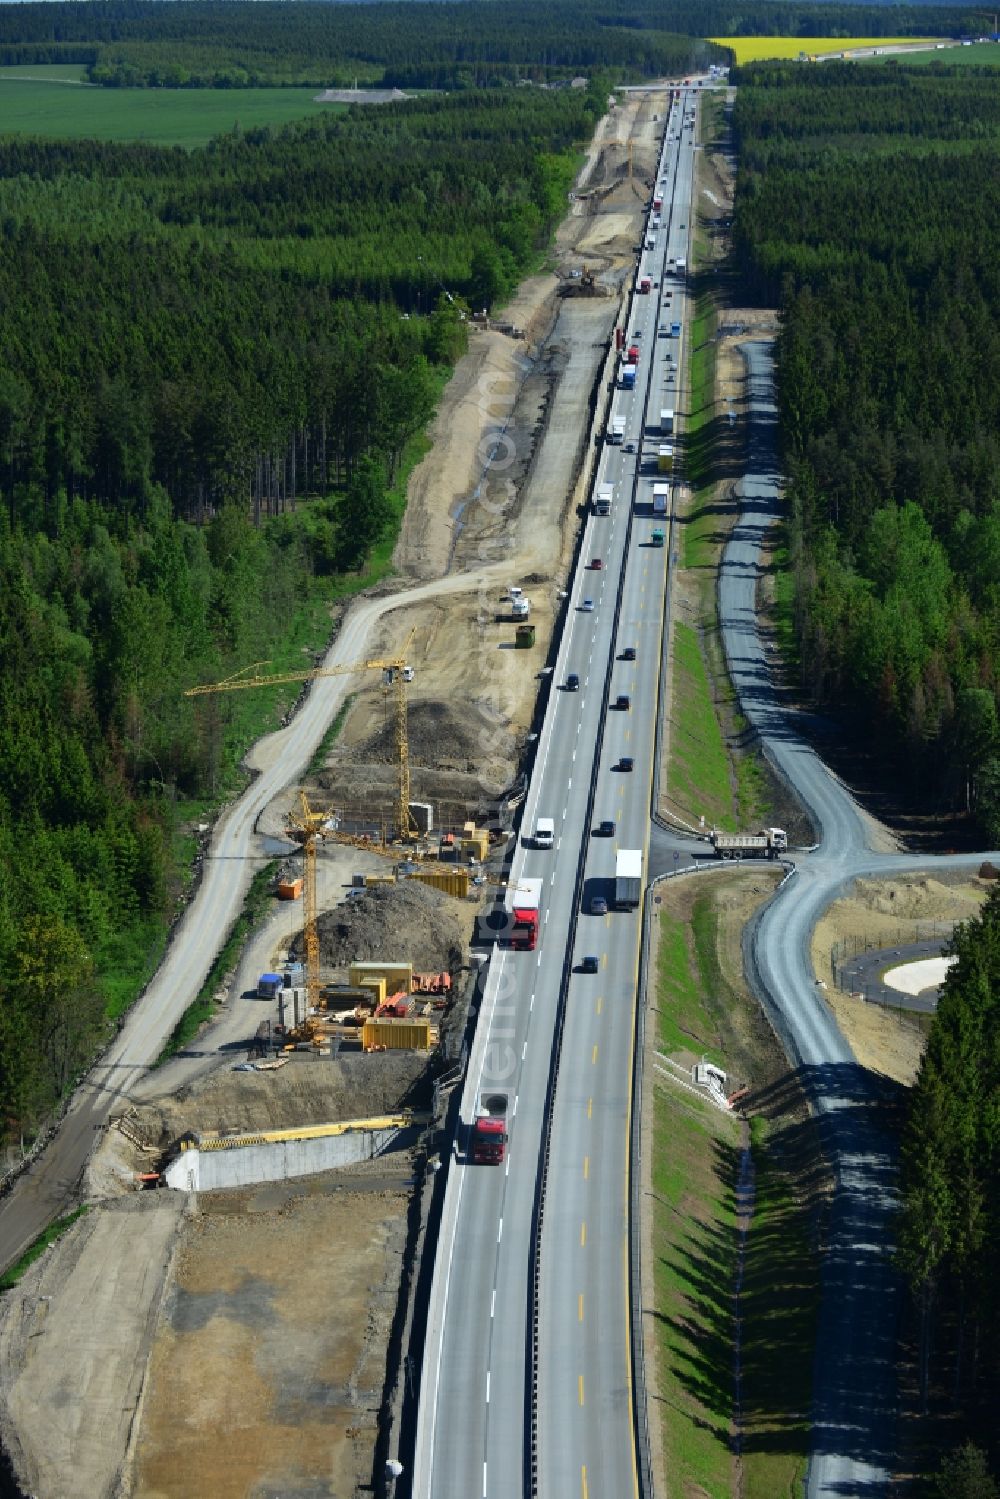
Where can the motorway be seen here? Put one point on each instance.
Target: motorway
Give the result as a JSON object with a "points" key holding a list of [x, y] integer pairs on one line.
{"points": [[492, 1421]]}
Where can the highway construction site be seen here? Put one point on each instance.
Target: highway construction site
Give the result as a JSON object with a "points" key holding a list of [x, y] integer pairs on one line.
{"points": [[248, 1340]]}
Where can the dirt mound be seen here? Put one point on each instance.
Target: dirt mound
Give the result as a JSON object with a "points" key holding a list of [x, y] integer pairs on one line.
{"points": [[443, 739], [309, 1090], [404, 923], [918, 898]]}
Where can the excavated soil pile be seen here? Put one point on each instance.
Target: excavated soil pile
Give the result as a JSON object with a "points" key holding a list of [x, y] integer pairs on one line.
{"points": [[460, 761], [309, 1090], [443, 739], [405, 923]]}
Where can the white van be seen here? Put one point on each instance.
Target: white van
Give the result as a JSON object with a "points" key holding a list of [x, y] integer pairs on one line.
{"points": [[545, 832]]}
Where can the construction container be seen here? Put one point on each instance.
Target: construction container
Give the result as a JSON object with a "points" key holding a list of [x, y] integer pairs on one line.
{"points": [[290, 889], [524, 637], [476, 845], [373, 880], [411, 1034], [394, 975], [454, 881], [422, 816], [376, 988], [358, 881], [468, 829], [343, 996]]}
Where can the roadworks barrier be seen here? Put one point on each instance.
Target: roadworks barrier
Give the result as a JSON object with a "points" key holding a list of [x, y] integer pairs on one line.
{"points": [[209, 1162]]}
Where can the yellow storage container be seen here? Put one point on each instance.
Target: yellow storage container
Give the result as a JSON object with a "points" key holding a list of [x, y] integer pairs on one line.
{"points": [[478, 845], [375, 987], [371, 880], [396, 976], [396, 1035]]}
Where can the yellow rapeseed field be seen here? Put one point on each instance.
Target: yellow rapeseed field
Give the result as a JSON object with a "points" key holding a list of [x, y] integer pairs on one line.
{"points": [[762, 48]]}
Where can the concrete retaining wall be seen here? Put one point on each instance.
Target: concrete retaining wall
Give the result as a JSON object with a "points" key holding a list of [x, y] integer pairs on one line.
{"points": [[197, 1170]]}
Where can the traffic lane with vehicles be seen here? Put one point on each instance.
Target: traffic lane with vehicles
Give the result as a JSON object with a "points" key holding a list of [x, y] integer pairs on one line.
{"points": [[484, 1400], [585, 1399], [482, 1373], [585, 1425]]}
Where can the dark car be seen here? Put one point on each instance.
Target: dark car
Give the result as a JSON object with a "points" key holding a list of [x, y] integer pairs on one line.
{"points": [[590, 964], [628, 654], [606, 829], [597, 564], [626, 763], [572, 682], [623, 702]]}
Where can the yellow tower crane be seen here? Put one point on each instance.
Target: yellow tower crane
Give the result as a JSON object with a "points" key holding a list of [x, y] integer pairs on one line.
{"points": [[395, 673], [306, 827]]}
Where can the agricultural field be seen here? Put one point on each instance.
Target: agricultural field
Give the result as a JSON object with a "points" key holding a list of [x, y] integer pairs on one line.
{"points": [[55, 101], [765, 48]]}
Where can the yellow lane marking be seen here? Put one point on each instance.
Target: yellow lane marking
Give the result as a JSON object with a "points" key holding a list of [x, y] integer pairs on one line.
{"points": [[590, 1108], [583, 1483], [579, 1307], [600, 1003], [586, 1167], [580, 1377], [583, 1235], [593, 1058]]}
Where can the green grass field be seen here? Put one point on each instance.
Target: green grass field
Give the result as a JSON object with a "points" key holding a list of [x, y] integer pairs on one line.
{"points": [[698, 777], [694, 1169], [979, 54], [53, 102]]}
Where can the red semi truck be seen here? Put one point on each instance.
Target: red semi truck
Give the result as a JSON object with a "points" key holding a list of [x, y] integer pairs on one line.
{"points": [[489, 1132], [524, 898]]}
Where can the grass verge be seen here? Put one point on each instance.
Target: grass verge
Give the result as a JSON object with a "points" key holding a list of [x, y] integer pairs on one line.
{"points": [[698, 776], [684, 1023], [703, 1007], [38, 1247], [258, 899], [695, 1156], [701, 438]]}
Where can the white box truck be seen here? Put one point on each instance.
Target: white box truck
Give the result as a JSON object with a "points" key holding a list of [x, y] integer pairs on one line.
{"points": [[603, 499], [628, 879], [616, 429]]}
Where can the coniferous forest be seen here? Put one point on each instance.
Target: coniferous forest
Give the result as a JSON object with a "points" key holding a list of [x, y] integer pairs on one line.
{"points": [[191, 344], [472, 43]]}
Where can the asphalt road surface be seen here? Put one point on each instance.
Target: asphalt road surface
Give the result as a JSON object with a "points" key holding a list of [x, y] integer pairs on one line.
{"points": [[489, 1423]]}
